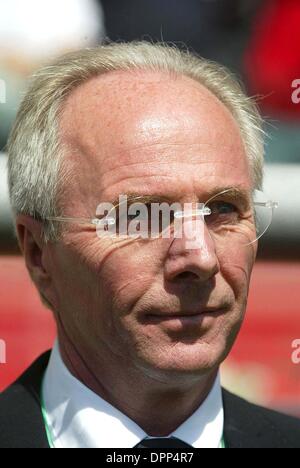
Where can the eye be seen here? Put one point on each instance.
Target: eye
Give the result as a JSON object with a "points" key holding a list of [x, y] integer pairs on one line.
{"points": [[222, 213], [131, 217], [221, 207], [140, 211]]}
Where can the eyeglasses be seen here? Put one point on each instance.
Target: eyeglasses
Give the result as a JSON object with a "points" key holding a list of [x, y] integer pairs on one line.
{"points": [[231, 215]]}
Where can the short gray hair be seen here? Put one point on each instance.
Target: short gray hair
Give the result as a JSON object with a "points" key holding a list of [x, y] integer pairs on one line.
{"points": [[35, 166]]}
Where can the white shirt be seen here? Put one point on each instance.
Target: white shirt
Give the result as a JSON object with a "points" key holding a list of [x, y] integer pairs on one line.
{"points": [[78, 418]]}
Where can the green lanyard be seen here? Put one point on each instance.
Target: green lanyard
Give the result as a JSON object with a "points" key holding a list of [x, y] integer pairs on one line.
{"points": [[44, 413]]}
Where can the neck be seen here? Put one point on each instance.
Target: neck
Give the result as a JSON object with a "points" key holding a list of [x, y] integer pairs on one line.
{"points": [[158, 405]]}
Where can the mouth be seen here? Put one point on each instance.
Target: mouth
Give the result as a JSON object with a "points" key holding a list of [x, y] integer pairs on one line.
{"points": [[183, 317]]}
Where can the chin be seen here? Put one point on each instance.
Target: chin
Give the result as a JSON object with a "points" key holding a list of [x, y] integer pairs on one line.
{"points": [[183, 360], [179, 349]]}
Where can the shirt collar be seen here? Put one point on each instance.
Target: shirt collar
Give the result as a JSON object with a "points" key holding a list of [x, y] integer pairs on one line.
{"points": [[78, 418]]}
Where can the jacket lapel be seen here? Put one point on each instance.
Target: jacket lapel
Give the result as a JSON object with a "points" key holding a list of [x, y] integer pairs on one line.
{"points": [[31, 381], [246, 426]]}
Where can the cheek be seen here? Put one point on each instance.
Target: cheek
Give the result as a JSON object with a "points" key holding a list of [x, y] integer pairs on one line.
{"points": [[127, 275], [236, 267], [103, 274], [75, 275]]}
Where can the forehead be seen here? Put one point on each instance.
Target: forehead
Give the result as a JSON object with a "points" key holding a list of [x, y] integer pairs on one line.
{"points": [[141, 130]]}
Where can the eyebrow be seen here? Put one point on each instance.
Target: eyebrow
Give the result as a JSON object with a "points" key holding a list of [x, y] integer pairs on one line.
{"points": [[236, 193]]}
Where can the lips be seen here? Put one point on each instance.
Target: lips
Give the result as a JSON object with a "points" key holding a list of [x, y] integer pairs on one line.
{"points": [[183, 315], [179, 321]]}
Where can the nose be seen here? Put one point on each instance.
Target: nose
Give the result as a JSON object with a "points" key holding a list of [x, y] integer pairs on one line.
{"points": [[192, 255]]}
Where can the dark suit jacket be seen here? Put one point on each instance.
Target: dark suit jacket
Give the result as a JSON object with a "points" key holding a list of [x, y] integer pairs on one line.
{"points": [[246, 425]]}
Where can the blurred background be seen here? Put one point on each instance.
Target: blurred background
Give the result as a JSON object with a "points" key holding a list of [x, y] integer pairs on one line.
{"points": [[259, 40]]}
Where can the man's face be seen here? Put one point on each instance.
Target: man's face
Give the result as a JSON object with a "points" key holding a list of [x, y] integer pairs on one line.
{"points": [[149, 134]]}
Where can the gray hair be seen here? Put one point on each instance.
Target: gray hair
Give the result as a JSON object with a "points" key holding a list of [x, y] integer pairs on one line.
{"points": [[35, 168]]}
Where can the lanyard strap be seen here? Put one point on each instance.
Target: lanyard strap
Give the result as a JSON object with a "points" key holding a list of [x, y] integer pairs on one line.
{"points": [[47, 428]]}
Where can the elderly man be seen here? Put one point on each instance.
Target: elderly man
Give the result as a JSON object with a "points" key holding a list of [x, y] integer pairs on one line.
{"points": [[144, 316]]}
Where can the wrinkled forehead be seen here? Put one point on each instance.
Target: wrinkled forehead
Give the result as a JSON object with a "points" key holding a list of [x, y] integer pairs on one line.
{"points": [[125, 125]]}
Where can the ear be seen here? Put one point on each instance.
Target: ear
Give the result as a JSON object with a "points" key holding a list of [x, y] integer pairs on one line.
{"points": [[34, 250]]}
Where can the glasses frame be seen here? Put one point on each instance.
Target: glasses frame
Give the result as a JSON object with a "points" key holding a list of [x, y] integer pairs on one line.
{"points": [[202, 210]]}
